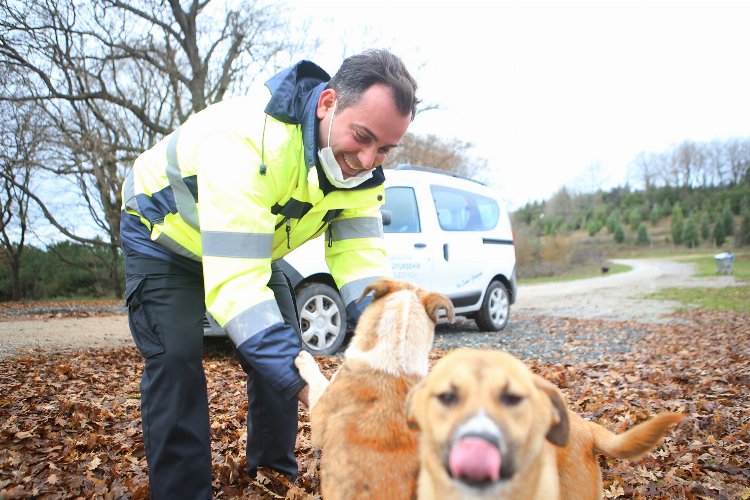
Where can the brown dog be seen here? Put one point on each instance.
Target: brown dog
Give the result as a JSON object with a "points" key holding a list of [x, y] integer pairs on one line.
{"points": [[358, 421], [493, 429]]}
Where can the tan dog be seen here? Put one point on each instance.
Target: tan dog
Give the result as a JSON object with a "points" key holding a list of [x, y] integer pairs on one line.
{"points": [[493, 429], [358, 421]]}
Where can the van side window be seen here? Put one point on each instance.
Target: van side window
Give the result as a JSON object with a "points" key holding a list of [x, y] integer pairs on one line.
{"points": [[459, 210], [401, 202]]}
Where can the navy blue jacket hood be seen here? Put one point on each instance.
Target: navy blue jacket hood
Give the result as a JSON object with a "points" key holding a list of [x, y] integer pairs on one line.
{"points": [[294, 98]]}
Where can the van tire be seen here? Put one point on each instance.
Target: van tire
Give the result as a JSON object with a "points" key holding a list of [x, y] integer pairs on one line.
{"points": [[495, 310], [322, 319]]}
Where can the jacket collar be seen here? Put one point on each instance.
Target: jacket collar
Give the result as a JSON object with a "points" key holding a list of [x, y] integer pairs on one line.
{"points": [[294, 98]]}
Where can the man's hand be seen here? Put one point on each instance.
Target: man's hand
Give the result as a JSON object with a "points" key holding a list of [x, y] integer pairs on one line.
{"points": [[304, 396]]}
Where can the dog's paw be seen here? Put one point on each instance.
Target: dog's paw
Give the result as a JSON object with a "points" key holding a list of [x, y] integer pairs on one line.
{"points": [[307, 366], [310, 373]]}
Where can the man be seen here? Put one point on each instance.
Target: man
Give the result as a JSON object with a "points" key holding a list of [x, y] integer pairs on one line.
{"points": [[208, 211]]}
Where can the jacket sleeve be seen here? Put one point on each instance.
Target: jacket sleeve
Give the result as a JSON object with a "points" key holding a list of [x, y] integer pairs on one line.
{"points": [[237, 231], [356, 252]]}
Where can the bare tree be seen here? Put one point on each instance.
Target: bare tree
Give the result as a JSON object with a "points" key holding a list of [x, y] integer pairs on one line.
{"points": [[20, 139], [114, 77], [450, 155], [715, 154], [688, 163], [738, 160]]}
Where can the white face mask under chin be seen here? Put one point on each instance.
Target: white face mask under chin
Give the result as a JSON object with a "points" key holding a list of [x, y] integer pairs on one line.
{"points": [[331, 166]]}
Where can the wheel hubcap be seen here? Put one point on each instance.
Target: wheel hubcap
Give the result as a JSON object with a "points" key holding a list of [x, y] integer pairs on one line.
{"points": [[498, 306], [320, 322]]}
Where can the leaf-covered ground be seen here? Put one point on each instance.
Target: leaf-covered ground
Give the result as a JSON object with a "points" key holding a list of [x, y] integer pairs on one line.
{"points": [[70, 424]]}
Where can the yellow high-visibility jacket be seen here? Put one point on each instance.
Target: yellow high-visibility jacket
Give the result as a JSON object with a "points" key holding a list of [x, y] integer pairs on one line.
{"points": [[237, 186]]}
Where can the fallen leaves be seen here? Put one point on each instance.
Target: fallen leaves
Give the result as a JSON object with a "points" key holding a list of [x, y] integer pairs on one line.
{"points": [[71, 422]]}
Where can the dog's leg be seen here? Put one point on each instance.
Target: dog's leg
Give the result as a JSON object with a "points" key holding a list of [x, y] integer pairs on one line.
{"points": [[310, 373]]}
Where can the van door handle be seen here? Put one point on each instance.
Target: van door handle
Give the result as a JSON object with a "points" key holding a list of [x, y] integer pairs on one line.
{"points": [[445, 252], [420, 245]]}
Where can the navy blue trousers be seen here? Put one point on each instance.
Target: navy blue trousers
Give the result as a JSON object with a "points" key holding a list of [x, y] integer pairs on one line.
{"points": [[165, 312]]}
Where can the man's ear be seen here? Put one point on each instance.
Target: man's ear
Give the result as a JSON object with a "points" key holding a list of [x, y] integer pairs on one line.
{"points": [[325, 102], [559, 431]]}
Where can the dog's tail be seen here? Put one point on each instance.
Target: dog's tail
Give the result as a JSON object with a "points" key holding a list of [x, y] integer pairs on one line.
{"points": [[635, 442]]}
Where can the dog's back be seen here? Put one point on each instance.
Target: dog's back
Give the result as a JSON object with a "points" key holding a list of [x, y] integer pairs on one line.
{"points": [[368, 449]]}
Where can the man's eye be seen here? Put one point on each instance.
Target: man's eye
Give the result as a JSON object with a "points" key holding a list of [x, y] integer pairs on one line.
{"points": [[361, 137]]}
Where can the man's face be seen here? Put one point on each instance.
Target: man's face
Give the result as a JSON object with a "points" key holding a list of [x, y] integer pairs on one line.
{"points": [[363, 133]]}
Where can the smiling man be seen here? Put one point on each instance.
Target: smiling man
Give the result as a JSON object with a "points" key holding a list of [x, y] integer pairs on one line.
{"points": [[209, 210]]}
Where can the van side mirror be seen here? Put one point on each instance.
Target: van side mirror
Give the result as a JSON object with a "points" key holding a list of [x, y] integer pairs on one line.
{"points": [[386, 217]]}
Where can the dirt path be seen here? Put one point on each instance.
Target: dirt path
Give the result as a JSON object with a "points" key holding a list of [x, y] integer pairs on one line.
{"points": [[20, 336], [613, 297]]}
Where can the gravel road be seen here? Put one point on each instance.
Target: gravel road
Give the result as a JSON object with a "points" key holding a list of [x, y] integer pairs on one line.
{"points": [[540, 326]]}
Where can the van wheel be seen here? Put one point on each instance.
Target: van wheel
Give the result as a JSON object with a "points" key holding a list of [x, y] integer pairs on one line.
{"points": [[322, 318], [493, 316]]}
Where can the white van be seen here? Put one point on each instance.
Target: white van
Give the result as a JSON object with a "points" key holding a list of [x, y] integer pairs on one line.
{"points": [[443, 232]]}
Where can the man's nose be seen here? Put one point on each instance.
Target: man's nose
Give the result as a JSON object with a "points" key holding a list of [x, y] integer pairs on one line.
{"points": [[366, 157]]}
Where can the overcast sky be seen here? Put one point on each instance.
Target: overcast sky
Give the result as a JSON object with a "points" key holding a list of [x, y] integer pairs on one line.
{"points": [[551, 92]]}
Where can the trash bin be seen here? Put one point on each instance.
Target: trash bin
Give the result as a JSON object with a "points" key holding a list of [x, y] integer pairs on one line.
{"points": [[724, 262]]}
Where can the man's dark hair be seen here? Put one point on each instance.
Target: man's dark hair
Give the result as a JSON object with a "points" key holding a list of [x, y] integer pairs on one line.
{"points": [[358, 73]]}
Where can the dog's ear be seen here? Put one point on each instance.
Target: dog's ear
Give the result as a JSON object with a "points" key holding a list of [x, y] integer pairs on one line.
{"points": [[379, 288], [433, 302], [558, 433], [413, 400]]}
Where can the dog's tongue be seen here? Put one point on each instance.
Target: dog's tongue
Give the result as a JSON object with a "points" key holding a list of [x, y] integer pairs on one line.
{"points": [[475, 459]]}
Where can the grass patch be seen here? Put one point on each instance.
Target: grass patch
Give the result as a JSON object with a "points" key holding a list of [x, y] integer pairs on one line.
{"points": [[575, 274], [706, 266], [723, 299]]}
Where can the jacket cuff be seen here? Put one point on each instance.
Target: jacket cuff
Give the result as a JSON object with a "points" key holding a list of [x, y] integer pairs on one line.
{"points": [[271, 352]]}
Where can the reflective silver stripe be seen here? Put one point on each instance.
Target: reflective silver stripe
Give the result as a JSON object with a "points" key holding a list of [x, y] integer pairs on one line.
{"points": [[253, 320], [352, 291], [128, 192], [238, 245], [182, 195], [357, 227], [175, 247]]}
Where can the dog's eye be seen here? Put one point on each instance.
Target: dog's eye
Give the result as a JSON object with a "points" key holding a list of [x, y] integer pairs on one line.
{"points": [[509, 399], [448, 398]]}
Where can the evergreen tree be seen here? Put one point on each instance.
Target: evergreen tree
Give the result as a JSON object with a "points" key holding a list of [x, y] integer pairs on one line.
{"points": [[634, 218], [742, 238], [666, 208], [726, 215], [655, 215], [613, 221], [690, 234], [720, 233], [677, 223], [619, 234], [594, 226], [643, 238], [705, 227]]}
